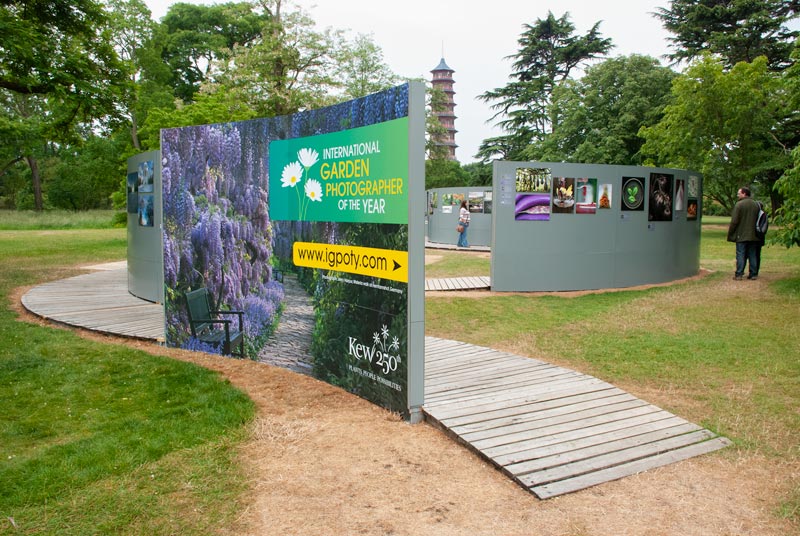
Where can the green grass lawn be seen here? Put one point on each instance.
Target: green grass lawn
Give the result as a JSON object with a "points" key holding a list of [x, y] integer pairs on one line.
{"points": [[56, 219], [99, 438], [727, 351]]}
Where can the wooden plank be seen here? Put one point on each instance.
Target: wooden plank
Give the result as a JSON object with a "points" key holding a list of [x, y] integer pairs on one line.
{"points": [[567, 456], [495, 402], [522, 405], [611, 459], [478, 365], [574, 403], [561, 432], [456, 356], [488, 400], [474, 283], [489, 367], [545, 417], [632, 468], [433, 344], [474, 358], [504, 373], [461, 358], [475, 391], [540, 386], [556, 445]]}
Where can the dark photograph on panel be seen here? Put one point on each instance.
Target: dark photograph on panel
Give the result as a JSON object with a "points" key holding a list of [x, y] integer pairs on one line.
{"points": [[660, 199]]}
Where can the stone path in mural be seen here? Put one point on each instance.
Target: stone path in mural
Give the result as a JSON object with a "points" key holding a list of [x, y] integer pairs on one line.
{"points": [[290, 345]]}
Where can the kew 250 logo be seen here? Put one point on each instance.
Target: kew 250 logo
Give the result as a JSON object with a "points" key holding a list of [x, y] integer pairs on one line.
{"points": [[380, 353]]}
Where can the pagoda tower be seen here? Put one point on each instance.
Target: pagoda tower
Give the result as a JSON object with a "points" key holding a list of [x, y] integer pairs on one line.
{"points": [[443, 80]]}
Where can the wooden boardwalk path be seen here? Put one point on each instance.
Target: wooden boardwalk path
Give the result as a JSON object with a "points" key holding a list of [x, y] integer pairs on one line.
{"points": [[551, 429], [98, 301], [458, 283]]}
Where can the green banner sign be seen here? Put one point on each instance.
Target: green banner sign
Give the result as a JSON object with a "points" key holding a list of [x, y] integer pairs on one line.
{"points": [[357, 175]]}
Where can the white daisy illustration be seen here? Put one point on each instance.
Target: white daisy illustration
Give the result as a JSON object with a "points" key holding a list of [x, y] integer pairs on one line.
{"points": [[307, 157], [313, 190], [291, 174]]}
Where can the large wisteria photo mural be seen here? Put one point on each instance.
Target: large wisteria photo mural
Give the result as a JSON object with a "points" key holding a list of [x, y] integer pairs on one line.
{"points": [[217, 235]]}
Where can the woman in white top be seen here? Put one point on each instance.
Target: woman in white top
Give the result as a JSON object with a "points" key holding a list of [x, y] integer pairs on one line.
{"points": [[463, 220]]}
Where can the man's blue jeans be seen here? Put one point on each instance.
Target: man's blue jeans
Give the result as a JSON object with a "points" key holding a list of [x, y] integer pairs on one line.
{"points": [[747, 252]]}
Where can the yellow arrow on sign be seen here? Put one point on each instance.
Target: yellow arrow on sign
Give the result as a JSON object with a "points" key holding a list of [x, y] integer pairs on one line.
{"points": [[372, 262]]}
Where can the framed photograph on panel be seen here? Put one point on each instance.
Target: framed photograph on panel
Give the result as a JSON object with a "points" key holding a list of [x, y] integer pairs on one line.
{"points": [[632, 197], [660, 199], [604, 202], [563, 195]]}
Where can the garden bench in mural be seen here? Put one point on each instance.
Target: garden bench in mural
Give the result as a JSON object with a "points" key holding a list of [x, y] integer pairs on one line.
{"points": [[207, 325]]}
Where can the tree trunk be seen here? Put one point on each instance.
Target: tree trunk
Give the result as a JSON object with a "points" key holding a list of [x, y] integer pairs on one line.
{"points": [[135, 133], [36, 181]]}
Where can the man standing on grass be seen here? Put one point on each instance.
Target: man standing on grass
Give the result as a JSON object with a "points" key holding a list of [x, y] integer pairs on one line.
{"points": [[742, 230]]}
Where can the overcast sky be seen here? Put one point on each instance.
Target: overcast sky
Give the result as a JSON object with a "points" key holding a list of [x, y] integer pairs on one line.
{"points": [[474, 37]]}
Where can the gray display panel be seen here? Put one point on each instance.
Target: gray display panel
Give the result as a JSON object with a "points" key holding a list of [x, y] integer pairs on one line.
{"points": [[145, 253], [443, 208], [560, 226]]}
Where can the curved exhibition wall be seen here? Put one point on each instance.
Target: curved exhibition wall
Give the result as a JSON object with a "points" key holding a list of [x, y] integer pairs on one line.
{"points": [[559, 226], [443, 207], [551, 226], [145, 253]]}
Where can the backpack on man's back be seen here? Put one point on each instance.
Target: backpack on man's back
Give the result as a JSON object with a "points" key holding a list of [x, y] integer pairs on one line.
{"points": [[762, 222]]}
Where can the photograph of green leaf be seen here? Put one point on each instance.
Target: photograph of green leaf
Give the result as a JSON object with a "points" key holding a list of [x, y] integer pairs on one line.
{"points": [[632, 193]]}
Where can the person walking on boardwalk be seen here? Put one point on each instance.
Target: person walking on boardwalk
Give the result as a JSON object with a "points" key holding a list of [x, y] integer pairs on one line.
{"points": [[742, 230], [463, 223]]}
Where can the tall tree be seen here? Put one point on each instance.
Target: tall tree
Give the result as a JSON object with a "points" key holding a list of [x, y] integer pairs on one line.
{"points": [[787, 220], [199, 36], [721, 124], [787, 228], [361, 68], [58, 71], [597, 118], [132, 29], [289, 66], [549, 52], [735, 30]]}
